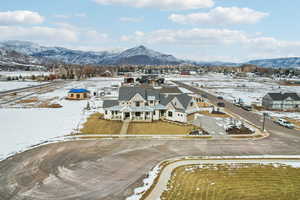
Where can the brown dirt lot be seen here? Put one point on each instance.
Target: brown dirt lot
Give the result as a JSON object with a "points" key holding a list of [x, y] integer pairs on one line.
{"points": [[159, 128], [95, 125]]}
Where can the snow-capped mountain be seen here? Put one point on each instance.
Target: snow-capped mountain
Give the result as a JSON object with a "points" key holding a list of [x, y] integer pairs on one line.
{"points": [[139, 55], [34, 53], [293, 62]]}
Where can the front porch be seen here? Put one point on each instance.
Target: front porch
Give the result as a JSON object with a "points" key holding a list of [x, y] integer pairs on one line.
{"points": [[132, 116]]}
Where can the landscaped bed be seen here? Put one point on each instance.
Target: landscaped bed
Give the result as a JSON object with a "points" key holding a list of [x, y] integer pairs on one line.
{"points": [[96, 125], [233, 181], [159, 128]]}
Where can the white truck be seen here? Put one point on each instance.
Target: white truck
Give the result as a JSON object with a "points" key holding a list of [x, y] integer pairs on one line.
{"points": [[285, 123]]}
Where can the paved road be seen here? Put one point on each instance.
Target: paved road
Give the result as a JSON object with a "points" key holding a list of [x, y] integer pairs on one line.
{"points": [[7, 92], [37, 89], [111, 169], [254, 118]]}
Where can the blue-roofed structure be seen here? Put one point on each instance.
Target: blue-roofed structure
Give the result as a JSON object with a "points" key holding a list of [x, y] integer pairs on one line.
{"points": [[79, 91], [78, 94]]}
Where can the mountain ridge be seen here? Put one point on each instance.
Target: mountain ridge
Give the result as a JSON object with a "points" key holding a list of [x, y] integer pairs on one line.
{"points": [[139, 55]]}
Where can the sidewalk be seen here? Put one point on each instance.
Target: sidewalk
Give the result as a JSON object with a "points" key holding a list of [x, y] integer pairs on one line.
{"points": [[124, 127]]}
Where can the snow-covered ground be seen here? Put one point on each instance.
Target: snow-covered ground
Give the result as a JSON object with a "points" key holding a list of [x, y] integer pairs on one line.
{"points": [[247, 90], [11, 85], [23, 73], [22, 128]]}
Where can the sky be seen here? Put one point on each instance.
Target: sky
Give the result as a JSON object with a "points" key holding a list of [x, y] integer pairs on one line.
{"points": [[200, 30]]}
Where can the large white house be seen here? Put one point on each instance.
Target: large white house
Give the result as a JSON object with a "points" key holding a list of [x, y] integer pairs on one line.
{"points": [[148, 104], [281, 101]]}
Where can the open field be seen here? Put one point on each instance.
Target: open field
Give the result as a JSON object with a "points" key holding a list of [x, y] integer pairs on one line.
{"points": [[238, 181], [11, 85], [159, 128], [95, 125], [55, 115], [249, 90]]}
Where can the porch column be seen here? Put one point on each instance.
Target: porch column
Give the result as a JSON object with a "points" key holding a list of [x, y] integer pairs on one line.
{"points": [[123, 115], [144, 115], [131, 115]]}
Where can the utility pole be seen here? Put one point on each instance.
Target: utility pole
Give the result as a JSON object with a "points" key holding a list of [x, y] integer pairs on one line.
{"points": [[264, 121]]}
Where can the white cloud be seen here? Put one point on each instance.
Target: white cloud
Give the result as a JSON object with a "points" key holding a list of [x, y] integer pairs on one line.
{"points": [[131, 19], [161, 4], [221, 16], [224, 41], [37, 33], [20, 17], [63, 16], [62, 35]]}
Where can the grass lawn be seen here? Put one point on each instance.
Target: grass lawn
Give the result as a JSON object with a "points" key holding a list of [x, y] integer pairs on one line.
{"points": [[158, 128], [230, 182], [94, 125]]}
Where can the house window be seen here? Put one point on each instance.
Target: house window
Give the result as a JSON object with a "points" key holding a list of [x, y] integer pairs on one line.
{"points": [[78, 96], [151, 102], [137, 104], [146, 104], [192, 103], [106, 112], [72, 95], [85, 95], [137, 114], [170, 114]]}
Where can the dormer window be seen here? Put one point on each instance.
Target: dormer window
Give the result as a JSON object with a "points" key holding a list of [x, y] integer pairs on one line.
{"points": [[137, 104]]}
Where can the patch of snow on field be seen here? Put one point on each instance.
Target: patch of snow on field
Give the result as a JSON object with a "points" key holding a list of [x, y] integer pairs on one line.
{"points": [[138, 192], [11, 85], [291, 115], [22, 128], [23, 73]]}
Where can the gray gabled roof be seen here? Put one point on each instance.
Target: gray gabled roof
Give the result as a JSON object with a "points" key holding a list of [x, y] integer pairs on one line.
{"points": [[283, 96], [110, 103], [184, 99], [126, 93]]}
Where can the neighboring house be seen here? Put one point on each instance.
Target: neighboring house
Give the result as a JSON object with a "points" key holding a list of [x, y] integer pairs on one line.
{"points": [[78, 94], [148, 104], [281, 101]]}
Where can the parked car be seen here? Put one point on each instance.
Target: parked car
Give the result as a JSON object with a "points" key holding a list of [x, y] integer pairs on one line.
{"points": [[247, 108], [285, 123], [221, 104]]}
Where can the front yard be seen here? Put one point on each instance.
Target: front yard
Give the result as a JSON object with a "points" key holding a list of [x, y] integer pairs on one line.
{"points": [[159, 128], [95, 125]]}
